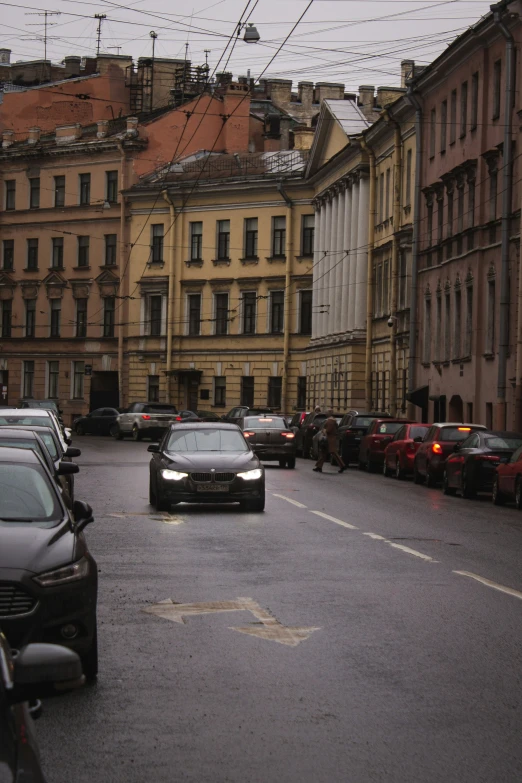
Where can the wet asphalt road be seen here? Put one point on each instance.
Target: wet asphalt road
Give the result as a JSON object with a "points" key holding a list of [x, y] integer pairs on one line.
{"points": [[412, 676]]}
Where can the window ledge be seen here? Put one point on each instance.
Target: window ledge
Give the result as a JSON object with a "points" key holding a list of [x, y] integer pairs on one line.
{"points": [[488, 356], [308, 257], [159, 264], [270, 259], [194, 262], [461, 360], [56, 269], [104, 266], [427, 365], [250, 260], [33, 269], [82, 267], [219, 405], [221, 261]]}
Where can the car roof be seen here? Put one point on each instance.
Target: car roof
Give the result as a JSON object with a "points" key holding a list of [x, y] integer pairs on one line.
{"points": [[25, 411], [20, 432], [29, 428], [214, 425], [18, 455], [502, 434], [457, 424]]}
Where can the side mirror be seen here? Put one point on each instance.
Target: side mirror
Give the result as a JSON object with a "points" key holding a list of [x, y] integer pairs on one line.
{"points": [[43, 670], [153, 448], [67, 468], [418, 440], [82, 513], [73, 452]]}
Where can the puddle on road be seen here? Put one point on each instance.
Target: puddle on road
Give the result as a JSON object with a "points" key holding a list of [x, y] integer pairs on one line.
{"points": [[167, 519]]}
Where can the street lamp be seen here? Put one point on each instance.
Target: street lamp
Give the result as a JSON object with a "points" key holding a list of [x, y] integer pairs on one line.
{"points": [[251, 35]]}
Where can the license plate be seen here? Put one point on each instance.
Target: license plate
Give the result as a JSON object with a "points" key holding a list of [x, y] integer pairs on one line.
{"points": [[357, 440], [212, 488]]}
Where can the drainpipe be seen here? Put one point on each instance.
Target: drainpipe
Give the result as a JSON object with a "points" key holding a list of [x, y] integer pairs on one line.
{"points": [[170, 300], [289, 251], [372, 212], [414, 101], [124, 281], [507, 188]]}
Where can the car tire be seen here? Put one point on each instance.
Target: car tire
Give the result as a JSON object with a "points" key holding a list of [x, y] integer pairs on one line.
{"points": [[418, 478], [371, 467], [399, 473], [518, 493], [431, 481], [360, 464], [136, 434], [152, 494], [257, 504], [496, 495], [161, 503], [79, 430], [447, 490], [468, 488], [290, 463], [385, 469], [90, 659], [282, 463], [115, 432]]}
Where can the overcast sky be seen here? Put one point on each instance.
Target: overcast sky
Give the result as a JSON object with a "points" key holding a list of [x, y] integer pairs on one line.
{"points": [[350, 41]]}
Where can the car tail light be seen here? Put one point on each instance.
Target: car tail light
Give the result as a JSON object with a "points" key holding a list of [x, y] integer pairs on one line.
{"points": [[178, 418], [464, 429], [145, 416], [436, 448], [488, 457], [288, 435], [248, 434]]}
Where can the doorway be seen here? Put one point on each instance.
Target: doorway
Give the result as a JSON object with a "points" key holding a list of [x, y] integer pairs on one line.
{"points": [[4, 387], [456, 408], [104, 390]]}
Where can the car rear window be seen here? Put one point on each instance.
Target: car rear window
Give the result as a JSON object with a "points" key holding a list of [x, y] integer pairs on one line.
{"points": [[454, 434], [362, 421], [15, 443], [265, 422], [206, 440], [50, 444], [30, 421], [418, 432], [25, 495], [159, 409], [389, 427], [503, 443]]}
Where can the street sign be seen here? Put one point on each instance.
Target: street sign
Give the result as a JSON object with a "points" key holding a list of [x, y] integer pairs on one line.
{"points": [[88, 369]]}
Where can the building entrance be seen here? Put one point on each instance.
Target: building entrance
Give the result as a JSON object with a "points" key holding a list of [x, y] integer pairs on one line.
{"points": [[104, 390]]}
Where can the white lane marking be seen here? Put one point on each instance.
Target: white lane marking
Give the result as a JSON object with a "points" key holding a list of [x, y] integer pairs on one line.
{"points": [[334, 519], [290, 500], [374, 536], [411, 551], [489, 583]]}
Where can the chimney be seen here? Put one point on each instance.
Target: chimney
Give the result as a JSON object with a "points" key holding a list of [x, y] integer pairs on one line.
{"points": [[132, 126], [366, 95], [285, 123], [34, 136], [72, 66], [407, 71], [5, 56], [103, 128], [305, 92], [7, 138], [280, 91], [66, 134], [236, 103], [328, 91], [303, 137], [388, 95]]}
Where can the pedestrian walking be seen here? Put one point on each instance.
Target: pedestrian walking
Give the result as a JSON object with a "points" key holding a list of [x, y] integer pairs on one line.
{"points": [[330, 445]]}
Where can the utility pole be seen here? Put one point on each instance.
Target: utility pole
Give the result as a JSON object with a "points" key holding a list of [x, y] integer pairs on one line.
{"points": [[100, 18], [153, 35], [45, 15]]}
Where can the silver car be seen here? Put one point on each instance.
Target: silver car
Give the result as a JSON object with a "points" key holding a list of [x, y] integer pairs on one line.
{"points": [[145, 420]]}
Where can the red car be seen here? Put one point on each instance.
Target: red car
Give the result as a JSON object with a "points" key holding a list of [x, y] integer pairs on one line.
{"points": [[438, 444], [399, 454], [380, 433], [507, 484]]}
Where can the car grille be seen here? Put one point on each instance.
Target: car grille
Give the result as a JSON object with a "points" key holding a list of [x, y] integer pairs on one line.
{"points": [[225, 477], [206, 478], [202, 477], [14, 601]]}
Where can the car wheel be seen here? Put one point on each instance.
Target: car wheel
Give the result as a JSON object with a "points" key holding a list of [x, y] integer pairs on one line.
{"points": [[361, 465], [445, 485], [79, 429], [468, 489], [399, 473], [161, 503], [518, 493], [496, 496], [385, 469], [115, 432], [152, 494], [282, 463], [371, 466], [258, 504], [418, 478], [90, 659], [290, 463], [431, 481], [136, 434]]}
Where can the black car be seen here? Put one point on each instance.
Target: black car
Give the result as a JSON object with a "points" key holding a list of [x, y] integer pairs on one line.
{"points": [[270, 438], [34, 672], [472, 466], [48, 578], [98, 422], [205, 463], [310, 427], [352, 428], [208, 416], [240, 411]]}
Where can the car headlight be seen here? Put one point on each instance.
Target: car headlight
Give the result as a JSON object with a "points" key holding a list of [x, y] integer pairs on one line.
{"points": [[251, 475], [60, 576], [173, 475]]}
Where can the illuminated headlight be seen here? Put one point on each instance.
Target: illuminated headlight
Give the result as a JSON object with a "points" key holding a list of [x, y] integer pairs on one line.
{"points": [[251, 475], [60, 576], [173, 475]]}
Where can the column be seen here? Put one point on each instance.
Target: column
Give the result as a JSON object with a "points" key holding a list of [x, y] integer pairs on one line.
{"points": [[346, 249], [323, 293], [317, 257], [353, 254], [338, 291], [329, 288], [362, 254]]}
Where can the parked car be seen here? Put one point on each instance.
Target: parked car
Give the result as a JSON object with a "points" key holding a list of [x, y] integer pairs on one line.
{"points": [[37, 417], [473, 465], [314, 450], [48, 405], [437, 445], [400, 452], [507, 482], [270, 439], [205, 463], [352, 428], [310, 426], [145, 420], [34, 672], [379, 434], [297, 419], [49, 579], [208, 416], [98, 422], [240, 411], [55, 448]]}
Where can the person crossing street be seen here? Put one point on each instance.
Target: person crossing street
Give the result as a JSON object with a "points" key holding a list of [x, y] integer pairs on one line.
{"points": [[330, 447]]}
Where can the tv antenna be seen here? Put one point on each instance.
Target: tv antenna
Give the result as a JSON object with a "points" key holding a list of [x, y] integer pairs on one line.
{"points": [[100, 18], [45, 15]]}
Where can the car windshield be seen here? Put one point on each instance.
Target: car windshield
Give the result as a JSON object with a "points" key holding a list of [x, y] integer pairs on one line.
{"points": [[16, 443], [503, 443], [45, 404], [50, 444], [362, 421], [418, 432], [388, 427], [25, 495], [454, 434], [265, 423], [159, 409], [29, 421], [206, 440]]}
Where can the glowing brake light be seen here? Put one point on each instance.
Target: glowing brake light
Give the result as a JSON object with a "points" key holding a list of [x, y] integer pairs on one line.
{"points": [[488, 457], [178, 418], [145, 416], [436, 448], [248, 434], [288, 435], [464, 429]]}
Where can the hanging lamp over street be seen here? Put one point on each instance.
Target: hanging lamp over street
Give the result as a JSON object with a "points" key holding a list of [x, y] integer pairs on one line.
{"points": [[251, 35]]}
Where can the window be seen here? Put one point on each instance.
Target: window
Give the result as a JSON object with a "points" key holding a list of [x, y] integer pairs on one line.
{"points": [[381, 198], [157, 243], [57, 253], [247, 391], [85, 189], [463, 109], [221, 313], [426, 352], [53, 374], [278, 237], [7, 316], [474, 101], [111, 186], [196, 241], [385, 287], [460, 208], [433, 131], [153, 388], [468, 334], [409, 158], [194, 314], [56, 314], [110, 249], [457, 325], [34, 192], [387, 195], [28, 379], [403, 279], [430, 223], [108, 316], [443, 124], [450, 214], [305, 312], [453, 117], [10, 194], [275, 388], [155, 306], [32, 254], [377, 307], [249, 312], [220, 391], [440, 219], [490, 330], [471, 203], [497, 75], [301, 391], [447, 327], [78, 376], [30, 317], [277, 303], [438, 329], [8, 255], [59, 191], [83, 251], [493, 188], [307, 235], [223, 240], [489, 415], [81, 317], [250, 238]]}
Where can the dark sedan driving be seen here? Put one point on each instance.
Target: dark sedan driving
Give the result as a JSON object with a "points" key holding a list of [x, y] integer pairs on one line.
{"points": [[270, 438], [205, 463]]}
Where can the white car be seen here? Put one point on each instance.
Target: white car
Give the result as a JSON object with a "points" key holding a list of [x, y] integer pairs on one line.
{"points": [[39, 417]]}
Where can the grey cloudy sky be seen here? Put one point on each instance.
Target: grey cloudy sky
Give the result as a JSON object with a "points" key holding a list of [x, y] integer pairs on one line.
{"points": [[350, 41]]}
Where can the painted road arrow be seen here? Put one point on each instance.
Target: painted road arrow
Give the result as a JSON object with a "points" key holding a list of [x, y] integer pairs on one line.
{"points": [[267, 626]]}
